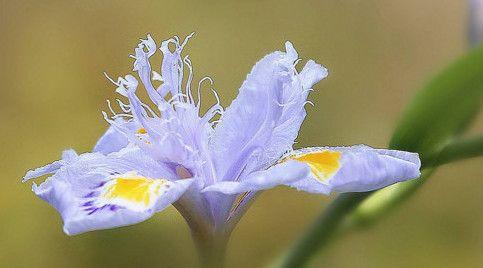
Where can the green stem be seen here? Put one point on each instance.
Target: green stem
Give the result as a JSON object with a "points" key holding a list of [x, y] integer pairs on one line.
{"points": [[326, 225], [457, 150], [383, 201], [322, 230]]}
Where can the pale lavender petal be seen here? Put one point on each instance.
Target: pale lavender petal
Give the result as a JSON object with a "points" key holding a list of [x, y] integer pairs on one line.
{"points": [[176, 133], [312, 73], [113, 139], [280, 174], [97, 191], [171, 68], [263, 121], [67, 157], [47, 169], [143, 52], [357, 168]]}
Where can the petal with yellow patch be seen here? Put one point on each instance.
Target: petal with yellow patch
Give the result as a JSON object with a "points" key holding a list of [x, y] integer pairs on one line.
{"points": [[133, 191], [323, 164]]}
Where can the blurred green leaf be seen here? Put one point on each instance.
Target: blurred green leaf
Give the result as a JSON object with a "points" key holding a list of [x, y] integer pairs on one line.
{"points": [[440, 112], [459, 149], [443, 109], [380, 202], [385, 200], [430, 126]]}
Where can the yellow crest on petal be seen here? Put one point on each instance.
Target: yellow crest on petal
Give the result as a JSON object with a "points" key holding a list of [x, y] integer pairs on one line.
{"points": [[141, 131], [133, 191], [323, 164]]}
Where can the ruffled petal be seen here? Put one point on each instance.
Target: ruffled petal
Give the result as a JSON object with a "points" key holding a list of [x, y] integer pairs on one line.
{"points": [[93, 191], [263, 121], [357, 168], [173, 133], [171, 71]]}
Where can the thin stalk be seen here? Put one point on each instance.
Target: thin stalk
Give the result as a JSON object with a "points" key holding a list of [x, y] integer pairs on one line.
{"points": [[322, 230], [457, 150], [383, 201], [211, 249], [209, 241]]}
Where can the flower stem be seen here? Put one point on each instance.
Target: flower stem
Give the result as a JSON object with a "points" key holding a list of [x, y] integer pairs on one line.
{"points": [[383, 201], [460, 149], [211, 249], [322, 230], [210, 243]]}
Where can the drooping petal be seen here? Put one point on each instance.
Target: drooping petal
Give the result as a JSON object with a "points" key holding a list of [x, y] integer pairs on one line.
{"points": [[325, 169], [357, 168], [93, 191], [67, 157], [263, 121], [280, 174]]}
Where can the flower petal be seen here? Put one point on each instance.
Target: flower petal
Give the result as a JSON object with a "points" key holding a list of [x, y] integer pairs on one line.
{"points": [[114, 140], [325, 169], [93, 191], [171, 72], [280, 174], [176, 133], [269, 109], [357, 168]]}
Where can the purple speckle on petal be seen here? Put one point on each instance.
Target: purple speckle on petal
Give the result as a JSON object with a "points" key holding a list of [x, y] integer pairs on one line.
{"points": [[91, 194], [101, 184], [87, 204], [94, 210]]}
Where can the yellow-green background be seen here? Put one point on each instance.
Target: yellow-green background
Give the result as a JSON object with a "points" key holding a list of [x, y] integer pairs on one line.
{"points": [[52, 89]]}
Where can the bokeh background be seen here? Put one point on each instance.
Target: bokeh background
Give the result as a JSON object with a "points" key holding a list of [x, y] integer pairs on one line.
{"points": [[379, 53]]}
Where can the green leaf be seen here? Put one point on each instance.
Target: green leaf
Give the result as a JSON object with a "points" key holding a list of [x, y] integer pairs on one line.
{"points": [[443, 109], [381, 202], [430, 126], [385, 200]]}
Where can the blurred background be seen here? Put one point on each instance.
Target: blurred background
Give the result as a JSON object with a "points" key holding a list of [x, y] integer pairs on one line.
{"points": [[379, 54]]}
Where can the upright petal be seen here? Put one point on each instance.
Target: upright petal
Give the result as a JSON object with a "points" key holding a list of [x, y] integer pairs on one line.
{"points": [[176, 133], [171, 68], [93, 191], [263, 121]]}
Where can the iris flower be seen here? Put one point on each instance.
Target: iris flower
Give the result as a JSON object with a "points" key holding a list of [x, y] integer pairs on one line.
{"points": [[209, 166]]}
